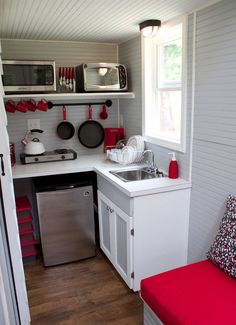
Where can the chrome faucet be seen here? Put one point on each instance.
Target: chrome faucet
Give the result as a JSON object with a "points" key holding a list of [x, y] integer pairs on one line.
{"points": [[152, 167]]}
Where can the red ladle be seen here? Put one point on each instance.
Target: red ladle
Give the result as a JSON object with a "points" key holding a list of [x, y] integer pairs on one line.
{"points": [[103, 114]]}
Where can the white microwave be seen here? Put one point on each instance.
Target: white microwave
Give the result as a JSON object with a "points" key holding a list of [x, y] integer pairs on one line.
{"points": [[28, 76]]}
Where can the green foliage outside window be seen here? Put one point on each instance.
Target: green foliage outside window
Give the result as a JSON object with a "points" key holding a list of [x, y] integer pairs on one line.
{"points": [[172, 61]]}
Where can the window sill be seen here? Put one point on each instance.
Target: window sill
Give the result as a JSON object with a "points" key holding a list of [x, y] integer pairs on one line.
{"points": [[165, 144]]}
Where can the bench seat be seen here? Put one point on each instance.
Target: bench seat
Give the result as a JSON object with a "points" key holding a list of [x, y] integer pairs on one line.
{"points": [[196, 294]]}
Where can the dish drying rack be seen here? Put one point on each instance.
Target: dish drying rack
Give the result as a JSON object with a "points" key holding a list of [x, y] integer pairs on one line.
{"points": [[125, 158], [126, 152]]}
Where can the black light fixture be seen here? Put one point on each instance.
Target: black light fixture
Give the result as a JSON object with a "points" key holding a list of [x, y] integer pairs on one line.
{"points": [[149, 27]]}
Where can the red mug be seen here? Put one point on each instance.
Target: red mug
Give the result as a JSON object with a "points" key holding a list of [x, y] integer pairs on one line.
{"points": [[42, 105], [21, 106], [10, 106], [31, 105]]}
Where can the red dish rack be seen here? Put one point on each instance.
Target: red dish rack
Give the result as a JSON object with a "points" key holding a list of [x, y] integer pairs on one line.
{"points": [[26, 229]]}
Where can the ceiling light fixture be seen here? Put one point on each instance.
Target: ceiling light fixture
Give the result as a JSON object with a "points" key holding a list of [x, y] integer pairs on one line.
{"points": [[149, 28]]}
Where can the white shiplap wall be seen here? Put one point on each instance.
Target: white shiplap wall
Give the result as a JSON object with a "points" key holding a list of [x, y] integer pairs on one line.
{"points": [[64, 54], [17, 126], [130, 54], [214, 143], [131, 110]]}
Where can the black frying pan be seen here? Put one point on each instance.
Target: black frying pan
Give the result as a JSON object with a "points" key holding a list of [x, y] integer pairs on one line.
{"points": [[65, 130], [91, 133]]}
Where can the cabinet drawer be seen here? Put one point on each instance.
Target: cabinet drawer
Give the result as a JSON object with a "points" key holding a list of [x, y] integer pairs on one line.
{"points": [[124, 202]]}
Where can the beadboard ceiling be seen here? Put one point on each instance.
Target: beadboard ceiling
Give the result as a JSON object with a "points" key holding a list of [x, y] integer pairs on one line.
{"points": [[112, 21]]}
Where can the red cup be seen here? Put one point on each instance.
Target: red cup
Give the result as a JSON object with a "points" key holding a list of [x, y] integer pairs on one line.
{"points": [[31, 105], [10, 106], [42, 105], [21, 106]]}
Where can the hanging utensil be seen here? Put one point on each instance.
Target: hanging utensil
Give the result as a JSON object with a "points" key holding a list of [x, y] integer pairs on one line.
{"points": [[63, 77], [73, 79], [70, 79], [91, 133], [65, 130], [103, 115], [60, 76], [67, 77]]}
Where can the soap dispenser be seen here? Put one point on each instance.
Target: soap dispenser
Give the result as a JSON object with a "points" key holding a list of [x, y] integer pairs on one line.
{"points": [[173, 167]]}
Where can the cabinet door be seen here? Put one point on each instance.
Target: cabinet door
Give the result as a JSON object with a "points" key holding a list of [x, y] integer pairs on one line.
{"points": [[105, 226], [115, 237], [122, 256]]}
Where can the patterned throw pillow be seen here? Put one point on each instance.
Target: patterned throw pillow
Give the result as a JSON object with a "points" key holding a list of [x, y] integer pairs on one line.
{"points": [[223, 250]]}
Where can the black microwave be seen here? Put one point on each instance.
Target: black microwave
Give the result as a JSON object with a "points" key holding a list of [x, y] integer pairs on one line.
{"points": [[28, 76], [97, 77]]}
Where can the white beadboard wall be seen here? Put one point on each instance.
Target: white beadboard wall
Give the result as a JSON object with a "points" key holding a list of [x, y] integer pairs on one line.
{"points": [[17, 126], [64, 54], [214, 143], [130, 54]]}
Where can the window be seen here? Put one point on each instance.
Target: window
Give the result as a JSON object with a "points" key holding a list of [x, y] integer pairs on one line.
{"points": [[164, 86]]}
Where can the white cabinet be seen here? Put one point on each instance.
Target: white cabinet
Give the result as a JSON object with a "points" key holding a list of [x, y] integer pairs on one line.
{"points": [[143, 235], [115, 229]]}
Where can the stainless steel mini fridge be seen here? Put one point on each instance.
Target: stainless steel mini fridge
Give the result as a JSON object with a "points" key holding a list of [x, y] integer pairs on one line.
{"points": [[66, 219]]}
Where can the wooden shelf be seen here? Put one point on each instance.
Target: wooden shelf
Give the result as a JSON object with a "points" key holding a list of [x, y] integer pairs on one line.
{"points": [[73, 96]]}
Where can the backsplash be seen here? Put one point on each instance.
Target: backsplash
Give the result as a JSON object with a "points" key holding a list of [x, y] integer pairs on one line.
{"points": [[17, 126]]}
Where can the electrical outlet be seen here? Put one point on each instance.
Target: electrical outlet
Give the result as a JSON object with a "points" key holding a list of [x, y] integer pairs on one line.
{"points": [[33, 124]]}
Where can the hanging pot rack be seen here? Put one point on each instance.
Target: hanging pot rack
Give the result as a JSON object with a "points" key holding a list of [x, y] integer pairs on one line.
{"points": [[108, 103]]}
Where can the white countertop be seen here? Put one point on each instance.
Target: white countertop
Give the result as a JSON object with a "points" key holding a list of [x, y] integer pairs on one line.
{"points": [[101, 166]]}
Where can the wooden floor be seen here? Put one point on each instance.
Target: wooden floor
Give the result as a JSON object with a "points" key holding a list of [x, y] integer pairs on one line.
{"points": [[88, 292]]}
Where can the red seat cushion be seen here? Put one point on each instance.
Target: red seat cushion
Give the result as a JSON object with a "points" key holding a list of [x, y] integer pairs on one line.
{"points": [[196, 294]]}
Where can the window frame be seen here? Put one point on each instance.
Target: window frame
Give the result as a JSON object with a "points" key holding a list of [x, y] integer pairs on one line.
{"points": [[149, 86]]}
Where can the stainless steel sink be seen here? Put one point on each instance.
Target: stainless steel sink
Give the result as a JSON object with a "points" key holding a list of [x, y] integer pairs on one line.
{"points": [[137, 174]]}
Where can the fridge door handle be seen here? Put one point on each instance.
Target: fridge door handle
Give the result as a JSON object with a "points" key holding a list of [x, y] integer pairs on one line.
{"points": [[59, 188]]}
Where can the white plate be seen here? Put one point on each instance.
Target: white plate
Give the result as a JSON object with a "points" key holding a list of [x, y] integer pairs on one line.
{"points": [[137, 142], [129, 154]]}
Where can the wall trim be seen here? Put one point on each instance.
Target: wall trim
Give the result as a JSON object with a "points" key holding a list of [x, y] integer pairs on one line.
{"points": [[193, 95], [56, 41]]}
